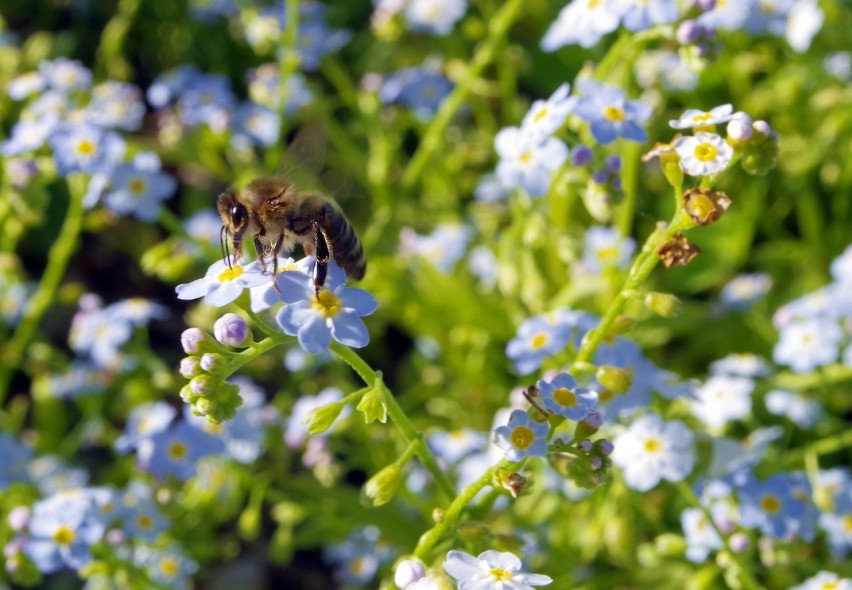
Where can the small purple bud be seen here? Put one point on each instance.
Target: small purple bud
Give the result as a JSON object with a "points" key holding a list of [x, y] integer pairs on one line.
{"points": [[707, 31], [593, 419], [21, 171], [231, 330], [581, 155], [584, 446], [190, 339], [13, 547], [615, 184], [613, 164], [210, 361], [600, 177], [739, 542], [605, 446], [189, 367], [19, 518], [739, 127], [703, 49], [200, 385], [595, 463], [688, 32], [115, 537], [763, 128], [706, 5], [408, 572]]}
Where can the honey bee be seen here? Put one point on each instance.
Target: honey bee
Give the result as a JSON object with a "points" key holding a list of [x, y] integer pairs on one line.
{"points": [[278, 216]]}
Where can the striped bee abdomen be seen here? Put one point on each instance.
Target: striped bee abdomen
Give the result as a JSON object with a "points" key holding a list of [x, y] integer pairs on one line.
{"points": [[346, 248]]}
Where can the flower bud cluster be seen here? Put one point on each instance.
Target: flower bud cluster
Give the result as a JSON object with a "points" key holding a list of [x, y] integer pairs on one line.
{"points": [[207, 366]]}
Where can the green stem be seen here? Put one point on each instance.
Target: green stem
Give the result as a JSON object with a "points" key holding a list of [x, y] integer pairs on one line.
{"points": [[433, 138], [824, 446], [398, 416], [826, 376], [112, 63], [639, 271], [57, 263], [745, 576]]}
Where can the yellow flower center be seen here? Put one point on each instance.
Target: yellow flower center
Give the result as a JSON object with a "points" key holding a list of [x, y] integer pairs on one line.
{"points": [[498, 574], [230, 273], [770, 504], [525, 157], [605, 395], [169, 567], [541, 114], [701, 118], [608, 254], [538, 341], [565, 397], [327, 304], [593, 4], [63, 536], [614, 113], [706, 152], [177, 451], [847, 523], [145, 522], [522, 437], [87, 147], [653, 445], [138, 186], [833, 585]]}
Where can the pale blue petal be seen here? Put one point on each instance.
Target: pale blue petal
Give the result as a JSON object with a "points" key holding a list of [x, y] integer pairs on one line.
{"points": [[195, 289], [292, 317], [314, 335], [224, 294], [348, 329], [76, 555], [45, 555], [294, 286], [358, 300]]}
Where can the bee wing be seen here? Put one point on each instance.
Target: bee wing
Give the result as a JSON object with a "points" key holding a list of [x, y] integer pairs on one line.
{"points": [[304, 158]]}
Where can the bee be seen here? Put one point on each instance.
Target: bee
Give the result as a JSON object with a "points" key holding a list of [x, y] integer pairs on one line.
{"points": [[277, 216]]}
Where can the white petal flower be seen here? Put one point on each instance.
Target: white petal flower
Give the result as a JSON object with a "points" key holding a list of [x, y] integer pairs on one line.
{"points": [[703, 154]]}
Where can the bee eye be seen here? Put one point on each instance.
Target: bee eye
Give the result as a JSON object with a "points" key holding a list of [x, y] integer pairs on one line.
{"points": [[238, 215]]}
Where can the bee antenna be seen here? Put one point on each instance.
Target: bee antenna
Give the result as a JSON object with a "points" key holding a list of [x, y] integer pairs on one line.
{"points": [[223, 244]]}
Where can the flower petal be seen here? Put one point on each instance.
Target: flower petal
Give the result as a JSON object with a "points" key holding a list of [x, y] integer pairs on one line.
{"points": [[315, 335], [359, 300], [348, 329]]}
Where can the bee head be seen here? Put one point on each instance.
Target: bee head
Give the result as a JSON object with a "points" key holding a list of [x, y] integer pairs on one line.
{"points": [[235, 220]]}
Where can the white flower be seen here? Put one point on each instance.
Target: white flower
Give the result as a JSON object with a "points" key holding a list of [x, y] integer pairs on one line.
{"points": [[545, 117], [491, 570], [223, 283], [703, 153], [825, 581], [582, 23], [798, 407], [651, 450], [803, 22], [698, 118], [722, 399], [525, 162]]}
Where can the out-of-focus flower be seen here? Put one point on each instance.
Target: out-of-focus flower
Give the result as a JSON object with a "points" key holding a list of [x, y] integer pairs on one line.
{"points": [[62, 530], [545, 117], [453, 446], [609, 113], [443, 247], [168, 566], [85, 148], [359, 556], [703, 154], [582, 23], [651, 450], [335, 312], [741, 364], [223, 282], [264, 89], [801, 409], [803, 346], [491, 570], [744, 290], [421, 89], [728, 16], [605, 248], [176, 451], [722, 399], [701, 535], [526, 161], [116, 105], [255, 125], [144, 421], [65, 74], [139, 187], [434, 16], [771, 506], [638, 15], [804, 21], [522, 437], [825, 580]]}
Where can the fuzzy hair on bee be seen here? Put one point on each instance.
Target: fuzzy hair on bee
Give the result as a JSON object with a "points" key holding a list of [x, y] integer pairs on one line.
{"points": [[277, 216]]}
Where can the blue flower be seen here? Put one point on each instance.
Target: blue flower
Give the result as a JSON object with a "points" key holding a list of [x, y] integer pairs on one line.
{"points": [[527, 161], [610, 114], [333, 313], [581, 23], [167, 86], [771, 507], [434, 16], [543, 336], [16, 457], [562, 397], [605, 248], [545, 117], [443, 247], [265, 89], [728, 16], [420, 89], [62, 530], [145, 421], [255, 125], [138, 188], [206, 99], [522, 437], [640, 15], [65, 74], [116, 105], [741, 292], [176, 451], [85, 148]]}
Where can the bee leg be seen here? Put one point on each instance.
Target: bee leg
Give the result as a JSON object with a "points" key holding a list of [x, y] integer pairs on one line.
{"points": [[323, 255], [274, 250], [261, 251]]}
